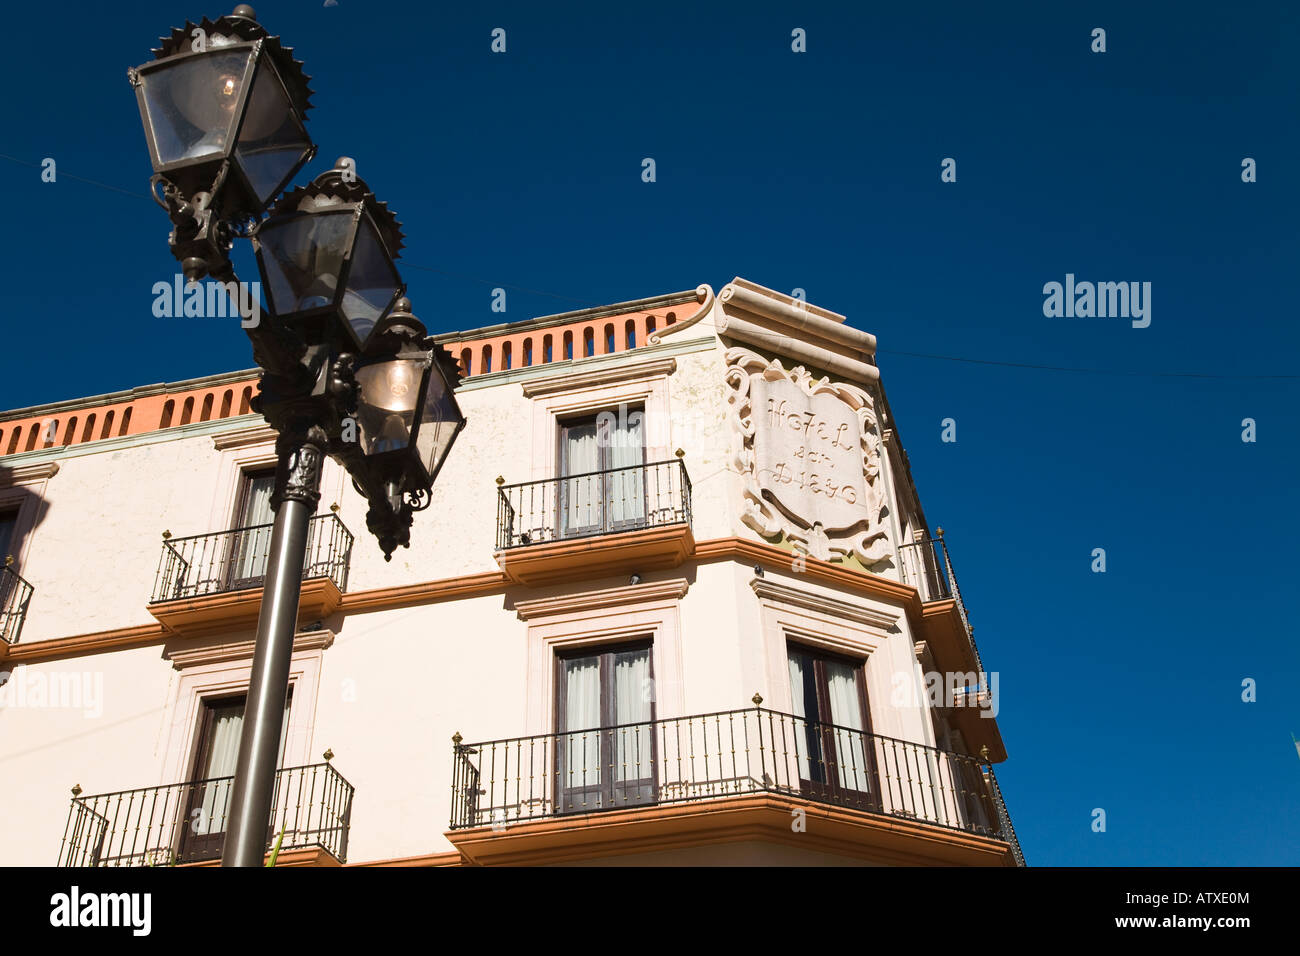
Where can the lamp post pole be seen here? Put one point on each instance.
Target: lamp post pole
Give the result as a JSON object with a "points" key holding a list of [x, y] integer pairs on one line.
{"points": [[347, 370], [300, 452]]}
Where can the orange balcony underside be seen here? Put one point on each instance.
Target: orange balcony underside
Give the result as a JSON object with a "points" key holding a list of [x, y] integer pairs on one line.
{"points": [[234, 610], [942, 629], [598, 556], [763, 818]]}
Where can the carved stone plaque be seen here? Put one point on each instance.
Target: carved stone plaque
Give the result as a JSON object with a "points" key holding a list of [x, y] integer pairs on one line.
{"points": [[808, 452]]}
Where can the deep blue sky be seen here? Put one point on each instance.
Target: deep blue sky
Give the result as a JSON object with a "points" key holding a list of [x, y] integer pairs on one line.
{"points": [[821, 171]]}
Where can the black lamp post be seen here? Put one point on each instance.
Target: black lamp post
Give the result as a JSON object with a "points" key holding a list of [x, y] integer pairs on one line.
{"points": [[347, 371]]}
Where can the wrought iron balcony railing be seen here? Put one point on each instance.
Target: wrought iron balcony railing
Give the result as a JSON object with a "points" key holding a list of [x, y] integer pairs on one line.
{"points": [[594, 503], [725, 754], [926, 566], [15, 595], [236, 559], [186, 822]]}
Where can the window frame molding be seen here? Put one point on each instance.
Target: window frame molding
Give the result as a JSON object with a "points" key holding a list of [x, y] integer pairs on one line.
{"points": [[556, 399], [574, 622], [23, 490], [832, 625], [217, 669]]}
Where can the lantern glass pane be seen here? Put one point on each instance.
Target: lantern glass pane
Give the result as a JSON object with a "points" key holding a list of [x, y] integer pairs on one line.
{"points": [[373, 282], [439, 419], [386, 411], [302, 257], [192, 105], [272, 140]]}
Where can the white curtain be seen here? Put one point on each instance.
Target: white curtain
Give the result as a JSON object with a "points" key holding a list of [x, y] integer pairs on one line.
{"points": [[581, 495], [626, 489], [632, 705], [255, 546], [226, 725], [846, 712], [798, 705], [581, 751]]}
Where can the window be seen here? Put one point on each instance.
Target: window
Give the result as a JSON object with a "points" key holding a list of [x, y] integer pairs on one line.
{"points": [[250, 543], [832, 727], [605, 742], [602, 471], [8, 523], [216, 750]]}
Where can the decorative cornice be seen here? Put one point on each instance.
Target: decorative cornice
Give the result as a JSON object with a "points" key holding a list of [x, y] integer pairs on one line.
{"points": [[81, 645], [784, 326], [703, 295], [784, 593], [243, 437], [130, 394], [631, 594], [569, 318], [22, 474], [221, 652], [428, 592], [655, 368]]}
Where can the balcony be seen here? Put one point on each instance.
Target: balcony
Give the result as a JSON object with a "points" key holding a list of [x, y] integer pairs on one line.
{"points": [[925, 564], [669, 782], [185, 823], [211, 582], [599, 523], [15, 595]]}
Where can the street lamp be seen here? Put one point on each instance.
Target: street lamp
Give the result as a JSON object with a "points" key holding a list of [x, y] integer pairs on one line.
{"points": [[224, 108], [347, 371]]}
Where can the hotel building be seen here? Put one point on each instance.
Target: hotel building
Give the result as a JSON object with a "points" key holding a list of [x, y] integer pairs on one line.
{"points": [[675, 601]]}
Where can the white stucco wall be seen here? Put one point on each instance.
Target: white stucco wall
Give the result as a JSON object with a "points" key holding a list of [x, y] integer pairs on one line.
{"points": [[395, 684]]}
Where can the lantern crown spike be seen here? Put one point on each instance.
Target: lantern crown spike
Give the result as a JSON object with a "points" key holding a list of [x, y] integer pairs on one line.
{"points": [[240, 28], [336, 184]]}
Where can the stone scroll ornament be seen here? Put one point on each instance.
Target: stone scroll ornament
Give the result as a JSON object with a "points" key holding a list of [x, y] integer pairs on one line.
{"points": [[808, 452]]}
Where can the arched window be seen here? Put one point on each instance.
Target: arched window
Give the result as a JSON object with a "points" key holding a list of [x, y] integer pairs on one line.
{"points": [[649, 326], [206, 413], [226, 401], [169, 409], [630, 339], [13, 441], [610, 342], [568, 344], [88, 433], [466, 358], [671, 318], [107, 430], [486, 364], [528, 352], [546, 350], [589, 342], [244, 399], [70, 431], [31, 436], [126, 420], [507, 356], [187, 411]]}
